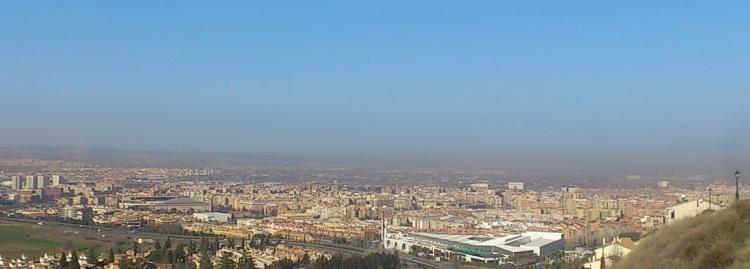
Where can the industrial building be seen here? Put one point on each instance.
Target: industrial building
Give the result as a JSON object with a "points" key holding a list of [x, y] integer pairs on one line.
{"points": [[182, 205], [477, 248]]}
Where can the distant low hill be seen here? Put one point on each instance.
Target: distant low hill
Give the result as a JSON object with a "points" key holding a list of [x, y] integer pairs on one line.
{"points": [[141, 158], [719, 239]]}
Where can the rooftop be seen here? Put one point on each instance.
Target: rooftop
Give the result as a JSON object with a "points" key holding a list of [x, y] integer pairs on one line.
{"points": [[183, 201]]}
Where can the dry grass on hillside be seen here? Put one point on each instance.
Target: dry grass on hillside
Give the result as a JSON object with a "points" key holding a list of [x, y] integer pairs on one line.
{"points": [[718, 239]]}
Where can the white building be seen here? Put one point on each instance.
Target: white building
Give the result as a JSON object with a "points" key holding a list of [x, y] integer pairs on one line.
{"points": [[17, 182], [476, 248], [246, 222], [29, 183], [41, 182], [68, 212], [56, 180], [610, 253], [212, 217], [480, 187], [688, 209], [516, 185]]}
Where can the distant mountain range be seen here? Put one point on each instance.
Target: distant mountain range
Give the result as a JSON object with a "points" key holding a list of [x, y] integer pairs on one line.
{"points": [[613, 164]]}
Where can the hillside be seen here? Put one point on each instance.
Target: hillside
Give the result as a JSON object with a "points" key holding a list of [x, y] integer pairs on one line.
{"points": [[718, 239]]}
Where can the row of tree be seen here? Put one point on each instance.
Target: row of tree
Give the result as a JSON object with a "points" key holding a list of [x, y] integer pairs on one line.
{"points": [[180, 257], [372, 261]]}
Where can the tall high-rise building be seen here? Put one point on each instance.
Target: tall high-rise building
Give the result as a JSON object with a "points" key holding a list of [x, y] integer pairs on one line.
{"points": [[17, 182], [569, 199], [41, 182], [68, 212], [87, 216], [56, 180], [29, 183]]}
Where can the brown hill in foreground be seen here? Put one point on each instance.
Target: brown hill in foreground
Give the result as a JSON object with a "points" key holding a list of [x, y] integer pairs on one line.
{"points": [[719, 239]]}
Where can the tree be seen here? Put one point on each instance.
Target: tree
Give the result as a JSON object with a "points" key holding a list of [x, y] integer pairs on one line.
{"points": [[73, 264], [91, 256], [167, 255], [190, 265], [215, 245], [246, 262], [572, 264], [284, 263], [190, 248], [148, 265], [178, 257], [111, 257], [226, 262], [63, 261], [125, 263], [205, 261], [372, 261], [155, 255], [320, 262], [203, 245]]}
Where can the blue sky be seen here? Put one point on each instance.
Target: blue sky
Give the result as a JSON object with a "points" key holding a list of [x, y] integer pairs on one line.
{"points": [[384, 76]]}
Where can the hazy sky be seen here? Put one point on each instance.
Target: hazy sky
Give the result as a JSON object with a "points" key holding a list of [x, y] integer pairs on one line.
{"points": [[348, 76]]}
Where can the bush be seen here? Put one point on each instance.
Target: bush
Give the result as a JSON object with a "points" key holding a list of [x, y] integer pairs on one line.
{"points": [[719, 239]]}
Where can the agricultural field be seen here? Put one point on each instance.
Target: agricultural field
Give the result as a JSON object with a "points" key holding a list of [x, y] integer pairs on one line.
{"points": [[34, 240]]}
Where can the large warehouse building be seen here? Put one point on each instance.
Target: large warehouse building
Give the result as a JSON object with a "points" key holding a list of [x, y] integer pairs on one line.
{"points": [[471, 248]]}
